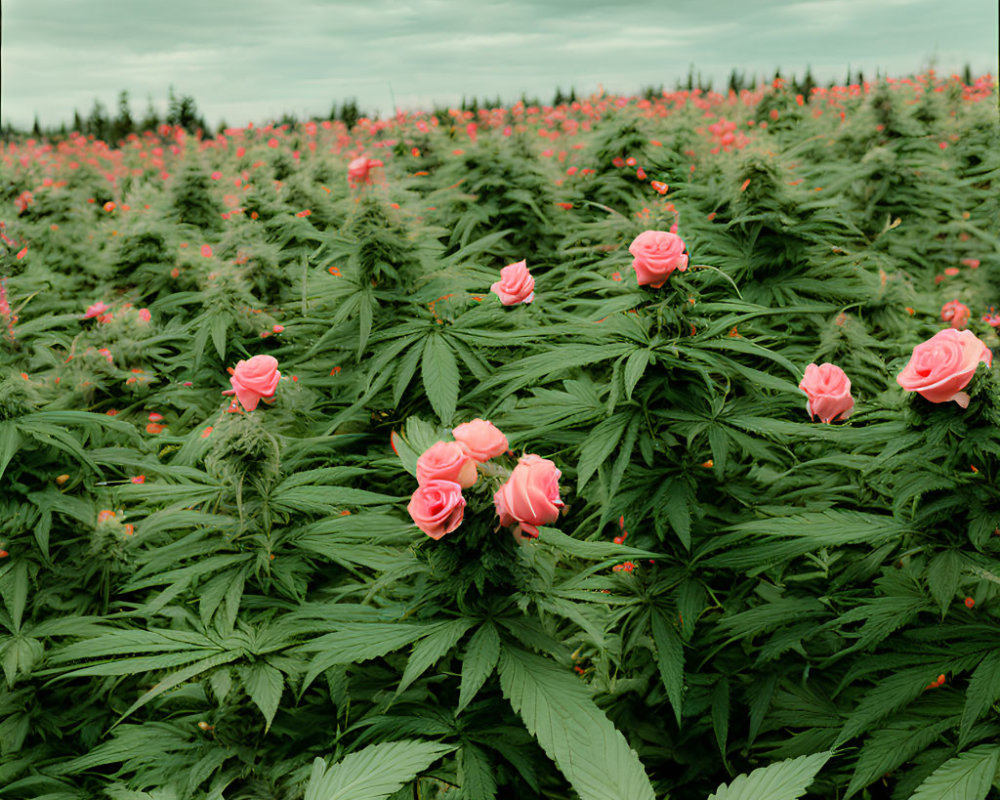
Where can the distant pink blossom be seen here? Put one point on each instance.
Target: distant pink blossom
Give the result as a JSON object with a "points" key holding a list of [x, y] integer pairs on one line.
{"points": [[359, 170], [95, 310]]}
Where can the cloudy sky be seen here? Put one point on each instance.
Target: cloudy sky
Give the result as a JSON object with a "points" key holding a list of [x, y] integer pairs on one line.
{"points": [[251, 60]]}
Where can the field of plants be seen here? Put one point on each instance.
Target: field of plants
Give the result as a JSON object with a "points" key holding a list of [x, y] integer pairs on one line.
{"points": [[629, 449]]}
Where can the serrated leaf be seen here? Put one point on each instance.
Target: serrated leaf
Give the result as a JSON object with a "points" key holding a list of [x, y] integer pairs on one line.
{"points": [[480, 658], [432, 649], [598, 446], [406, 454], [440, 376], [360, 642], [404, 373], [720, 715], [475, 774], [784, 780], [943, 575], [691, 600], [14, 590], [635, 366], [891, 746], [983, 691], [719, 441], [373, 773], [558, 711], [886, 696], [670, 660], [10, 441], [324, 499], [591, 551], [761, 692], [221, 681], [968, 776], [264, 685], [219, 328], [678, 514], [18, 655], [181, 676], [366, 314], [211, 594]]}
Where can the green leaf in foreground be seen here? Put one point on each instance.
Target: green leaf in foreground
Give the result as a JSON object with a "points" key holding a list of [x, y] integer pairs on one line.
{"points": [[480, 658], [983, 692], [966, 777], [670, 660], [373, 773], [784, 780], [558, 711], [264, 685], [441, 378]]}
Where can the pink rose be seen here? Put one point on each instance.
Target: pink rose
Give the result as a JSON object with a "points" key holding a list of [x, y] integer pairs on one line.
{"points": [[531, 495], [95, 310], [515, 285], [359, 170], [254, 379], [437, 507], [829, 391], [446, 461], [942, 366], [956, 313], [656, 255], [144, 315], [480, 439]]}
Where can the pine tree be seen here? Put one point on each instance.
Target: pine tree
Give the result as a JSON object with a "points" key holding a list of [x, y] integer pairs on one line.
{"points": [[349, 113], [97, 123], [123, 124], [808, 83], [734, 81], [150, 120], [173, 107]]}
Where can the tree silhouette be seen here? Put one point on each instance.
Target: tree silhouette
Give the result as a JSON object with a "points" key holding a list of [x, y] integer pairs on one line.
{"points": [[97, 123], [123, 124]]}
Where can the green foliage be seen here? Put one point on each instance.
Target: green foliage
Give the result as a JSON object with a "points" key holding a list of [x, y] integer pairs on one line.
{"points": [[786, 780], [574, 733], [197, 600], [373, 773], [969, 776]]}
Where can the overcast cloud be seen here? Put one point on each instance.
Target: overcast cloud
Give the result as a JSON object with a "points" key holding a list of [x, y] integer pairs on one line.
{"points": [[252, 60]]}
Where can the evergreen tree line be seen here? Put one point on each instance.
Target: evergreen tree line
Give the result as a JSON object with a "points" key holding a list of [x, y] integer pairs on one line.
{"points": [[182, 110]]}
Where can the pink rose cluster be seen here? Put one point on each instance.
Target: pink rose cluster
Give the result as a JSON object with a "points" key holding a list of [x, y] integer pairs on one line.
{"points": [[360, 168], [956, 314], [103, 313], [528, 498], [445, 468], [254, 380], [938, 370]]}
